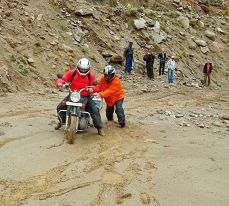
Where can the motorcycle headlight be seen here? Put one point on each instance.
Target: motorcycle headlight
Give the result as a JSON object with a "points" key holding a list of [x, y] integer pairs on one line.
{"points": [[75, 97]]}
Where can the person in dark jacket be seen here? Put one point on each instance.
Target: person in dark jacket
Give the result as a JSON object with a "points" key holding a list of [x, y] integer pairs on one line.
{"points": [[149, 59], [162, 59], [128, 54], [207, 72]]}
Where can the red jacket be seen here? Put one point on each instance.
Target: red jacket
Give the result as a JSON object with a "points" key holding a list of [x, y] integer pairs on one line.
{"points": [[78, 82], [111, 92]]}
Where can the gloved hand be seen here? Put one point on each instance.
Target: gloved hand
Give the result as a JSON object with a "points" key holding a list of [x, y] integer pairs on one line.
{"points": [[88, 89]]}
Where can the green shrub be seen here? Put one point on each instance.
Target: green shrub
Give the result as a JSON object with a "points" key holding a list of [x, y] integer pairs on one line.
{"points": [[227, 73], [24, 70], [12, 58], [174, 14], [131, 12], [140, 9], [151, 14]]}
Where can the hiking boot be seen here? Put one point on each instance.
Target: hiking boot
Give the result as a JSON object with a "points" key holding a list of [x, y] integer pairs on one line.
{"points": [[101, 132], [58, 126], [122, 125]]}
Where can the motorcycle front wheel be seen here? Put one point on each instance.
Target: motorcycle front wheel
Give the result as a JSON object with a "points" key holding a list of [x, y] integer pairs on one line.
{"points": [[71, 131]]}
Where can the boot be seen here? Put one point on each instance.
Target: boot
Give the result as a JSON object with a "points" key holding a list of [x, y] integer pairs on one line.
{"points": [[101, 132], [122, 125], [58, 126]]}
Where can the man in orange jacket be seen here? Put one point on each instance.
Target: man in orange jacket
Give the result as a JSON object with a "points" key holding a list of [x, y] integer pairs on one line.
{"points": [[110, 88]]}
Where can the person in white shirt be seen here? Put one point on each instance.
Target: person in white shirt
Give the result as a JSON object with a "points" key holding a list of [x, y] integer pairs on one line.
{"points": [[171, 66]]}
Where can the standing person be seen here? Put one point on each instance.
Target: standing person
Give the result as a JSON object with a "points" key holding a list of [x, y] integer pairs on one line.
{"points": [[79, 78], [162, 59], [149, 59], [110, 88], [129, 55], [207, 72], [171, 65]]}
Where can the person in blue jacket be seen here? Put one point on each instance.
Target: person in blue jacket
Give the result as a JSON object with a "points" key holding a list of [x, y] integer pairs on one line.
{"points": [[129, 55]]}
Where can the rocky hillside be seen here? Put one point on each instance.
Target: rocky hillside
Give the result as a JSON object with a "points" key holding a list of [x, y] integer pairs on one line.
{"points": [[40, 38]]}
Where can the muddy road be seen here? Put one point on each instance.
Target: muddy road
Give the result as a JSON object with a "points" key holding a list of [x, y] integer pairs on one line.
{"points": [[174, 151]]}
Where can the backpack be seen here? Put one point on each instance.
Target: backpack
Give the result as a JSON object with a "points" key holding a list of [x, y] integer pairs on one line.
{"points": [[74, 74]]}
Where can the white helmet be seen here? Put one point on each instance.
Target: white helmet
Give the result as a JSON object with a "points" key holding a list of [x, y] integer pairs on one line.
{"points": [[83, 66]]}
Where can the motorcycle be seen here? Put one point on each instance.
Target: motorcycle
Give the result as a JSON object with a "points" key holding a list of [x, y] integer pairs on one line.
{"points": [[77, 118]]}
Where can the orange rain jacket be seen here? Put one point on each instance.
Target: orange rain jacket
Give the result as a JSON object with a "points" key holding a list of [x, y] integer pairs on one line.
{"points": [[111, 92]]}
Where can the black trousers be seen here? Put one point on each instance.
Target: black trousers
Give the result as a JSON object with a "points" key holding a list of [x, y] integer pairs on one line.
{"points": [[149, 70], [90, 107], [162, 68], [118, 110]]}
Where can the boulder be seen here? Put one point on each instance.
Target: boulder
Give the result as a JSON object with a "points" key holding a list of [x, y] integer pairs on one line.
{"points": [[200, 42], [159, 37], [84, 12], [184, 21], [210, 34], [116, 59], [192, 44], [204, 49], [139, 23], [218, 29]]}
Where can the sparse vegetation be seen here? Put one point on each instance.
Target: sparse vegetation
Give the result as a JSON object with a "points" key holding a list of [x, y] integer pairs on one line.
{"points": [[151, 14], [174, 14], [12, 58], [227, 73], [63, 26], [132, 12]]}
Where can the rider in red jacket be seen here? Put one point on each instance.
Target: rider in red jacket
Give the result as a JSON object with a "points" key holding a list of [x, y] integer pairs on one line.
{"points": [[79, 78]]}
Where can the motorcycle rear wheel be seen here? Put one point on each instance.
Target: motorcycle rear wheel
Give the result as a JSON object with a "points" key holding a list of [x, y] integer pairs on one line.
{"points": [[70, 134]]}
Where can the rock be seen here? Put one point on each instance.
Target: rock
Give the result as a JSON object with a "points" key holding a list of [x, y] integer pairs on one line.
{"points": [[184, 21], [116, 59], [177, 1], [84, 12], [218, 29], [39, 17], [77, 38], [202, 126], [160, 111], [195, 84], [106, 54], [200, 42], [139, 68], [139, 23], [159, 37], [184, 124], [168, 113], [191, 44], [210, 34], [224, 116], [204, 49], [179, 115], [157, 27], [30, 60], [200, 24], [217, 124], [145, 198]]}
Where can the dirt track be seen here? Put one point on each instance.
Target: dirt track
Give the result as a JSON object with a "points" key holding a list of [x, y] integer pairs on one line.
{"points": [[152, 161]]}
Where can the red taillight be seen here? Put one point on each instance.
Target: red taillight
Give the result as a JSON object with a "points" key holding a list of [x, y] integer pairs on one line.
{"points": [[63, 103], [83, 106]]}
